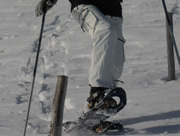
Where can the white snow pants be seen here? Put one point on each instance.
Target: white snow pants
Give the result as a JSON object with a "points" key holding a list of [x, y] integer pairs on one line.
{"points": [[108, 45]]}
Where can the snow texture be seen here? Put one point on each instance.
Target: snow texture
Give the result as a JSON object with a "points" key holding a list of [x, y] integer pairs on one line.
{"points": [[153, 103]]}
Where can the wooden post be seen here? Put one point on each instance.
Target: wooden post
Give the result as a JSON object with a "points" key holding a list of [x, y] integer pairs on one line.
{"points": [[58, 106], [170, 52]]}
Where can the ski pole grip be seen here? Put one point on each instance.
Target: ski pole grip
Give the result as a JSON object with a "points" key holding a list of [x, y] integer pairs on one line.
{"points": [[45, 6]]}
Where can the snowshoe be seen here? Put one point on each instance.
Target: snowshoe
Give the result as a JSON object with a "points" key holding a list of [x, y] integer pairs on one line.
{"points": [[105, 104]]}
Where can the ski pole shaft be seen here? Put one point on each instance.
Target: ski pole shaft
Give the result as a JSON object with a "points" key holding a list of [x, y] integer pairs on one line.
{"points": [[34, 73], [171, 31]]}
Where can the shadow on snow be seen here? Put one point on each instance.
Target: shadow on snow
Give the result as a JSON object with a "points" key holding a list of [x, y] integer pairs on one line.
{"points": [[169, 129]]}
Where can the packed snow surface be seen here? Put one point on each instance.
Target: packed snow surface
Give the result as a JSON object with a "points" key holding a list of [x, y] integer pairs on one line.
{"points": [[153, 103]]}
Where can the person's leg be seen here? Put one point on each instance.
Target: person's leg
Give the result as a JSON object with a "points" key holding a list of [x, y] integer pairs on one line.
{"points": [[105, 53], [104, 37], [106, 40], [119, 55]]}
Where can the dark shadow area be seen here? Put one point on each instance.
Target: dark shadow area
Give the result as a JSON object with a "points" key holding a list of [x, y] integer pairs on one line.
{"points": [[155, 117], [169, 129], [163, 129]]}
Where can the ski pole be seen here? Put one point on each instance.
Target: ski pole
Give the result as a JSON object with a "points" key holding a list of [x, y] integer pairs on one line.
{"points": [[171, 31], [34, 73]]}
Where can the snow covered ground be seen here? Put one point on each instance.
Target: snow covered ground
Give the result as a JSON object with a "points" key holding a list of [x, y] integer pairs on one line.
{"points": [[153, 104]]}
